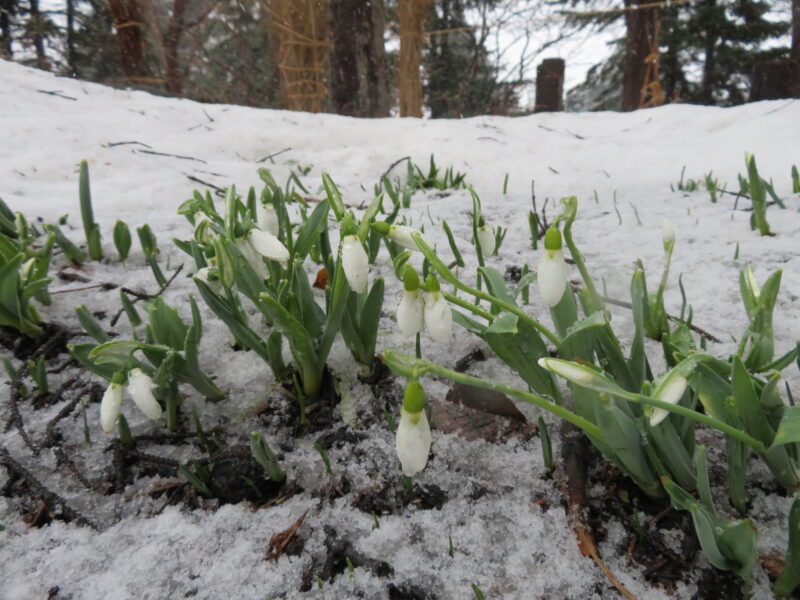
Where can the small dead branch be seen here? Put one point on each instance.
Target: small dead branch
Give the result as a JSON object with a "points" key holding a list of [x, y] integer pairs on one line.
{"points": [[113, 144], [57, 94], [217, 190], [182, 157], [144, 296], [279, 541], [271, 156]]}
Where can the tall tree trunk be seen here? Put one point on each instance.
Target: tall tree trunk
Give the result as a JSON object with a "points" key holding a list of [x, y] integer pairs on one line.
{"points": [[358, 59], [795, 53], [172, 39], [641, 27], [37, 26], [129, 25], [710, 63], [411, 14], [7, 10], [71, 56], [346, 19], [375, 51]]}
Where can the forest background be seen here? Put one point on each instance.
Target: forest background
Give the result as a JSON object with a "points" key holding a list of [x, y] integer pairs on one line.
{"points": [[436, 58]]}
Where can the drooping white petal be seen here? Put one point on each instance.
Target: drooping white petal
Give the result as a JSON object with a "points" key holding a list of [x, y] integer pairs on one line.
{"points": [[438, 318], [552, 276], [267, 245], [413, 441], [355, 263], [487, 240], [667, 232], [140, 387], [109, 406], [252, 257], [267, 218], [410, 313], [402, 235], [671, 390]]}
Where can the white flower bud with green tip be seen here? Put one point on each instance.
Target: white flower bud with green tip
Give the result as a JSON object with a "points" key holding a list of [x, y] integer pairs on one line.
{"points": [[26, 268], [140, 387], [267, 245], [355, 261], [437, 316], [413, 436], [267, 218], [486, 239], [671, 387], [410, 310], [667, 234], [111, 402], [551, 276], [571, 371], [400, 234]]}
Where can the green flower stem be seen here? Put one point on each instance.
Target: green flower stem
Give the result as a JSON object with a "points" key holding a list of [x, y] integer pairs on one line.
{"points": [[448, 276], [594, 301], [737, 434], [476, 310], [410, 367]]}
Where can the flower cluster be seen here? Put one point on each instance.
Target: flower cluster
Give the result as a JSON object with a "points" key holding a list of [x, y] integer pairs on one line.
{"points": [[140, 387], [432, 312]]}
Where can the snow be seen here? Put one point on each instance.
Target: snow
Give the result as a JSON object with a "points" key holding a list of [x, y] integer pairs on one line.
{"points": [[504, 541]]}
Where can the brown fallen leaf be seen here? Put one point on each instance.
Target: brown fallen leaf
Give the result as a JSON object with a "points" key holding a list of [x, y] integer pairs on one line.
{"points": [[279, 541]]}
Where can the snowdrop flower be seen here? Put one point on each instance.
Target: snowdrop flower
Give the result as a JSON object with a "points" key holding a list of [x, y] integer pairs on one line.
{"points": [[670, 390], [400, 234], [267, 245], [486, 239], [140, 387], [571, 371], [26, 268], [552, 274], [410, 310], [437, 316], [109, 405], [267, 218], [413, 437], [355, 261], [667, 234]]}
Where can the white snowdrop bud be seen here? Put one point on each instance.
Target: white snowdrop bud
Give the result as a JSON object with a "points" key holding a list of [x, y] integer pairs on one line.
{"points": [[109, 406], [267, 245], [140, 387], [487, 240], [437, 316], [410, 310], [671, 390], [413, 436], [355, 264], [551, 276], [267, 218], [667, 234]]}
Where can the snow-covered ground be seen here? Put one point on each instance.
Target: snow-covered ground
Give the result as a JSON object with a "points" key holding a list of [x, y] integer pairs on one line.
{"points": [[509, 532]]}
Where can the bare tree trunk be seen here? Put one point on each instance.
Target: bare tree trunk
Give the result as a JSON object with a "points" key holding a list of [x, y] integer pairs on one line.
{"points": [[358, 59], [411, 14], [346, 19], [7, 10], [37, 26], [73, 71], [129, 24], [377, 82], [172, 39], [641, 28], [795, 52]]}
